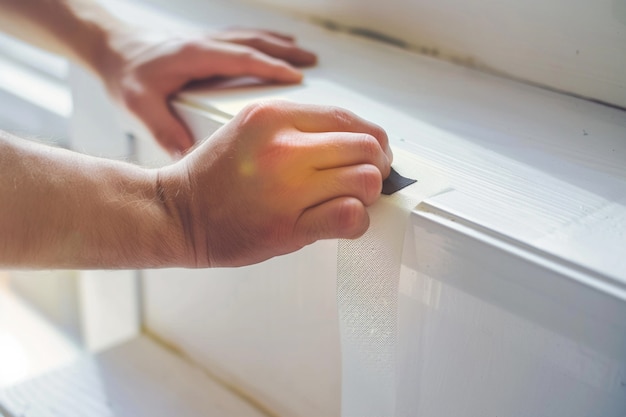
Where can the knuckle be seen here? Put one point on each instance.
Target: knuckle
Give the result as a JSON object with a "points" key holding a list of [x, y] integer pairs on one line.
{"points": [[370, 146], [246, 55], [259, 112], [190, 47], [352, 219], [381, 135], [371, 183], [342, 117]]}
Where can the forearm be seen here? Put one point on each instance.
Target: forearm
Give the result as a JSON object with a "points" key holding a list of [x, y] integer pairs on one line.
{"points": [[60, 209], [78, 29]]}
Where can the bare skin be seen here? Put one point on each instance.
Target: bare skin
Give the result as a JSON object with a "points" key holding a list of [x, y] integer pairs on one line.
{"points": [[143, 69], [278, 177]]}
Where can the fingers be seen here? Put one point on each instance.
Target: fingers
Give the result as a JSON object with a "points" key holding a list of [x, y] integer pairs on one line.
{"points": [[310, 118], [283, 36], [171, 134], [342, 149], [166, 128], [315, 160], [363, 182], [342, 217], [279, 48], [237, 31], [275, 44], [204, 60]]}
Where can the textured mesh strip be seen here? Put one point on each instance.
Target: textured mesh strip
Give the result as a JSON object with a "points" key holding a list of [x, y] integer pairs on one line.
{"points": [[368, 271]]}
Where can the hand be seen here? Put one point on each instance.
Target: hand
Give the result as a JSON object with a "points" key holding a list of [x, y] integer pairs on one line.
{"points": [[275, 44], [278, 177], [144, 70]]}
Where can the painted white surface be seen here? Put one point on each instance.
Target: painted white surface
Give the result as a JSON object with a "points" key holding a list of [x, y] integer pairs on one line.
{"points": [[486, 328], [528, 165], [574, 47], [29, 344], [97, 125], [54, 294], [109, 308], [526, 172], [26, 83], [536, 205], [271, 329], [136, 378]]}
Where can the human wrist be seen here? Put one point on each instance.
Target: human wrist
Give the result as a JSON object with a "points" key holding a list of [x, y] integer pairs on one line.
{"points": [[183, 226], [89, 30], [147, 229]]}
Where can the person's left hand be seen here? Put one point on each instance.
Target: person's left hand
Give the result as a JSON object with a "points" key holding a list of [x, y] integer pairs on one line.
{"points": [[144, 70]]}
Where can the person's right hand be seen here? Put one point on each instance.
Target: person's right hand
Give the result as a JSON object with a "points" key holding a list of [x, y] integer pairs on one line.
{"points": [[278, 177]]}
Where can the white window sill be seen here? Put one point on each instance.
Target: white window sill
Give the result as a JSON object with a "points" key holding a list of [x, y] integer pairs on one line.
{"points": [[538, 182], [540, 167]]}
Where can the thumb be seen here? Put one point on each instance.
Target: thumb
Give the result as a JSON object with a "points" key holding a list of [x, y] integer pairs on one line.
{"points": [[342, 217]]}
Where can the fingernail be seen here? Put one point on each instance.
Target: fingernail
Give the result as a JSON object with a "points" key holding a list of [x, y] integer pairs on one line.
{"points": [[307, 58], [294, 75]]}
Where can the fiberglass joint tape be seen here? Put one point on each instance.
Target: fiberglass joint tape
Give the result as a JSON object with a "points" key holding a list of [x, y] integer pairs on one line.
{"points": [[368, 271]]}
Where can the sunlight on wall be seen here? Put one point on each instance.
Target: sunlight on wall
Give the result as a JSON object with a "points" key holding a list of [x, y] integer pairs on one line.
{"points": [[14, 361], [29, 345]]}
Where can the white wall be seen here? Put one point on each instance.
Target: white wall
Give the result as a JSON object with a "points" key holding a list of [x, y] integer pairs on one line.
{"points": [[578, 47]]}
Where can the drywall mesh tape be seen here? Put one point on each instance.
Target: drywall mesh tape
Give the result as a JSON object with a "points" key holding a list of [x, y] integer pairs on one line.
{"points": [[368, 271]]}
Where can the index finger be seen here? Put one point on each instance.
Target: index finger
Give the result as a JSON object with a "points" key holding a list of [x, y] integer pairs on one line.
{"points": [[230, 60], [320, 119]]}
